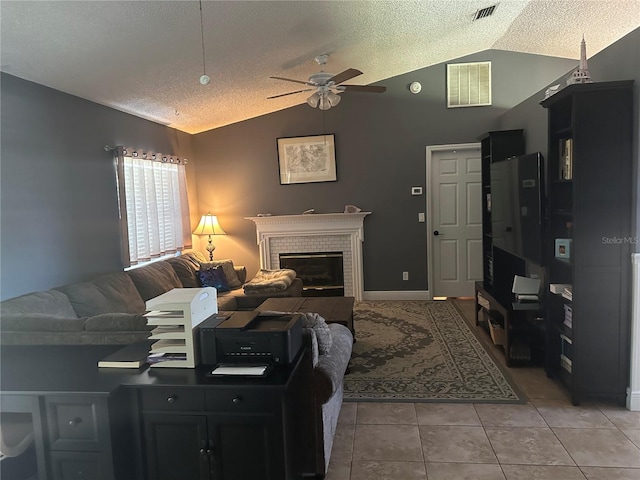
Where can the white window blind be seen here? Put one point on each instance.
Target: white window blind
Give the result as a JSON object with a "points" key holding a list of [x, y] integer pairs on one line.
{"points": [[154, 209]]}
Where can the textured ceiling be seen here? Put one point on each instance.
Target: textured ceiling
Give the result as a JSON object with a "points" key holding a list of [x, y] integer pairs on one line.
{"points": [[145, 57]]}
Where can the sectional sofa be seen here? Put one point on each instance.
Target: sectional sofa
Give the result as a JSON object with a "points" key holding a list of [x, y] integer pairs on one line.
{"points": [[109, 310]]}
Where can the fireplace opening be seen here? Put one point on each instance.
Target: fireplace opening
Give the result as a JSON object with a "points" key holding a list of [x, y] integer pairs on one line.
{"points": [[321, 273]]}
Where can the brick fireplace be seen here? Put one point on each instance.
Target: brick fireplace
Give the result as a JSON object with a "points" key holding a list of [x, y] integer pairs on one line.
{"points": [[315, 233]]}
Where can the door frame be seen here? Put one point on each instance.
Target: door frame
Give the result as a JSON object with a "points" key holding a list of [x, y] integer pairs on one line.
{"points": [[431, 149]]}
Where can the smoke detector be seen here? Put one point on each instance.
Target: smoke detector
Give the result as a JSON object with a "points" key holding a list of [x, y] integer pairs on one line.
{"points": [[415, 87]]}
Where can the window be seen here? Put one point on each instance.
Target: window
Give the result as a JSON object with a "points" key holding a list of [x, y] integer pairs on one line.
{"points": [[154, 209]]}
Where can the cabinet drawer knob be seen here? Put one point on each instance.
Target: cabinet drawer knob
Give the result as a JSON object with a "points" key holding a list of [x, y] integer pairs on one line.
{"points": [[172, 398], [75, 421], [237, 400]]}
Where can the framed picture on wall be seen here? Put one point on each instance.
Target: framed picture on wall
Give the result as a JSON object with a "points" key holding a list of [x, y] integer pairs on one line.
{"points": [[307, 159]]}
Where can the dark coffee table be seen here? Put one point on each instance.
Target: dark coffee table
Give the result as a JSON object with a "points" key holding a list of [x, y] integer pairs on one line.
{"points": [[333, 309]]}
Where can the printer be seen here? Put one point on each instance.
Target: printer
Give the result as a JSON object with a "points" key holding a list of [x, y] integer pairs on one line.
{"points": [[250, 337]]}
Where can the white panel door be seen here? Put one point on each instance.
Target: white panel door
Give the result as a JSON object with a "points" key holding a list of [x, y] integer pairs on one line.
{"points": [[456, 213]]}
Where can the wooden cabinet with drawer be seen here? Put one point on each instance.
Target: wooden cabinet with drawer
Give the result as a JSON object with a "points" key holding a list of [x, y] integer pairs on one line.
{"points": [[223, 429]]}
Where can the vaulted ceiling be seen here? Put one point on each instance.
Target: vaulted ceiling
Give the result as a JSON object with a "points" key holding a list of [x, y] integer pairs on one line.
{"points": [[146, 57]]}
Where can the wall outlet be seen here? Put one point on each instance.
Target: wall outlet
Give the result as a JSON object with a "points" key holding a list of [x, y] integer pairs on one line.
{"points": [[421, 217], [405, 275]]}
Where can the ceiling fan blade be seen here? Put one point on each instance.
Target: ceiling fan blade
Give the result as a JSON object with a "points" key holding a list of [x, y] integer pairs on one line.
{"points": [[292, 80], [348, 74], [290, 93], [364, 88]]}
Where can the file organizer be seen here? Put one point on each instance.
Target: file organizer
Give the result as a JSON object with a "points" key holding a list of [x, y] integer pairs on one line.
{"points": [[175, 316]]}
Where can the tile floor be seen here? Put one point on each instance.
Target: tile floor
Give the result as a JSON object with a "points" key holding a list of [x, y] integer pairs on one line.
{"points": [[547, 438]]}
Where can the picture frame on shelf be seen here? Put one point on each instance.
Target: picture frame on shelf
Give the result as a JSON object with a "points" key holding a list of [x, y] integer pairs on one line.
{"points": [[563, 248], [307, 159]]}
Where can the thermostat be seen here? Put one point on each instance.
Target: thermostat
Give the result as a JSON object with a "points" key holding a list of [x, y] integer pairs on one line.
{"points": [[416, 190]]}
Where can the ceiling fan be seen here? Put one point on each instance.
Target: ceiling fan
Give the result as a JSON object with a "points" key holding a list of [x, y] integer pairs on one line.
{"points": [[327, 86]]}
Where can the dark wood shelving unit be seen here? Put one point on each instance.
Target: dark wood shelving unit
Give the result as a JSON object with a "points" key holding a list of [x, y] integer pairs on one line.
{"points": [[591, 356]]}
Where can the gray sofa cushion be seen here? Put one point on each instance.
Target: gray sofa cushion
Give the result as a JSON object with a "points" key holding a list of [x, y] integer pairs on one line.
{"points": [[114, 292], [154, 279], [116, 322], [41, 322], [227, 302], [51, 302], [186, 269]]}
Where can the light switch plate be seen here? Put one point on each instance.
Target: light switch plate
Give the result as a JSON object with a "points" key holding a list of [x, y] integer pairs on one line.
{"points": [[416, 190]]}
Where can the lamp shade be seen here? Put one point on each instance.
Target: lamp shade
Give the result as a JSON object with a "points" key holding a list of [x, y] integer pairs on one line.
{"points": [[209, 226]]}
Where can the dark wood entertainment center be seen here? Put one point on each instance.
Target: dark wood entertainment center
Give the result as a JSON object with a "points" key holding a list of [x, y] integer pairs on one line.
{"points": [[587, 202], [133, 424]]}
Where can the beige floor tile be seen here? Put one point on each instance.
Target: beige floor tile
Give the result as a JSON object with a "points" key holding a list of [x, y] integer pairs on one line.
{"points": [[599, 447], [568, 416], [399, 443], [600, 473], [338, 471], [509, 416], [342, 449], [463, 471], [541, 472], [633, 435], [361, 470], [459, 444], [348, 413], [447, 414], [373, 413], [622, 418], [527, 446]]}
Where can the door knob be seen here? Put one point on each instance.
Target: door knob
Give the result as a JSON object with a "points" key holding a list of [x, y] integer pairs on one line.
{"points": [[436, 233]]}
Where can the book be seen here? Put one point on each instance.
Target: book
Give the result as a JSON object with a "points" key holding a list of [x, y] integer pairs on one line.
{"points": [[131, 356], [566, 159]]}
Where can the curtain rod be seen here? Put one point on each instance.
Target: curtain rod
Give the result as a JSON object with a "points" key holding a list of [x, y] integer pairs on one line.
{"points": [[153, 156]]}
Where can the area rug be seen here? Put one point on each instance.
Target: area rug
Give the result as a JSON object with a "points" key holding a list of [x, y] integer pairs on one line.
{"points": [[422, 351]]}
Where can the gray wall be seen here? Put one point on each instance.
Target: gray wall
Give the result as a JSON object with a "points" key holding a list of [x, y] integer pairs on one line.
{"points": [[59, 221], [59, 218], [380, 153], [620, 61]]}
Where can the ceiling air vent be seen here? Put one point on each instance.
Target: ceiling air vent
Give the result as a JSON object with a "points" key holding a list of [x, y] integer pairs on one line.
{"points": [[484, 12], [468, 84]]}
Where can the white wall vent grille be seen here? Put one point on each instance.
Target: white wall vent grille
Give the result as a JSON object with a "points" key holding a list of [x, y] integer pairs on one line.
{"points": [[484, 12], [468, 84]]}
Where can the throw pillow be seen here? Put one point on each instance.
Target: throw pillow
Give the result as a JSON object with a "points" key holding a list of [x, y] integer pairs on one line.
{"points": [[229, 271], [323, 332], [214, 277]]}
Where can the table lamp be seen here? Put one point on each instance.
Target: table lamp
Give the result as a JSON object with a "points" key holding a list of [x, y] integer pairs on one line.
{"points": [[209, 226]]}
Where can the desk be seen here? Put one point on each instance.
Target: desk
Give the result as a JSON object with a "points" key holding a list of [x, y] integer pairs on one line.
{"points": [[520, 328], [86, 419]]}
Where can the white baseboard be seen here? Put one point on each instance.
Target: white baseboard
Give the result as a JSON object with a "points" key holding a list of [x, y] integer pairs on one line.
{"points": [[633, 401], [397, 295]]}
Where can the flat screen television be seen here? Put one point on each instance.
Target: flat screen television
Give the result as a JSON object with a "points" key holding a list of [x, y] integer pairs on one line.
{"points": [[517, 197]]}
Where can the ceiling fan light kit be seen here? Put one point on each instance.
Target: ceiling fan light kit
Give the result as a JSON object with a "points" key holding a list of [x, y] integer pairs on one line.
{"points": [[328, 86]]}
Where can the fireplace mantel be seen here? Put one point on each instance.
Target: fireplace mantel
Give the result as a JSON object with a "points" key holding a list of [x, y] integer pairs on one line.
{"points": [[310, 229]]}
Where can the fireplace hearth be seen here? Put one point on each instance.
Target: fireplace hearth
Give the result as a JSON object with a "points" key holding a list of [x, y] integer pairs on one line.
{"points": [[322, 273]]}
